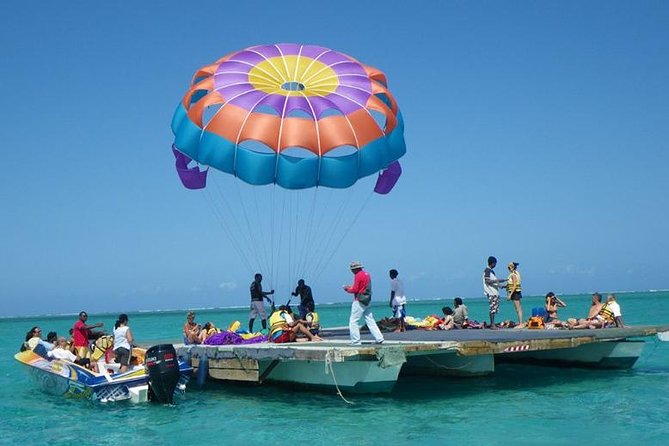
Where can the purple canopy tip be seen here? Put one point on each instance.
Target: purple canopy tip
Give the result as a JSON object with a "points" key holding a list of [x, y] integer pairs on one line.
{"points": [[388, 178], [191, 177]]}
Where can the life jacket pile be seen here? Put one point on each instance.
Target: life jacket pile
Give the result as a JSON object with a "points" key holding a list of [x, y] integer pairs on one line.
{"points": [[536, 323]]}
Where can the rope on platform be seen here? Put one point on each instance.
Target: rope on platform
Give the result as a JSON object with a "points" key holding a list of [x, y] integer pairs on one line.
{"points": [[328, 368], [441, 366]]}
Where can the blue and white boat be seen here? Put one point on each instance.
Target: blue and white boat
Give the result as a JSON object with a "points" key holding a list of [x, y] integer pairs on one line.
{"points": [[60, 377]]}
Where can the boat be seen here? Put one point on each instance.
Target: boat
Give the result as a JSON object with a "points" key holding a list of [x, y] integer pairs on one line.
{"points": [[153, 376]]}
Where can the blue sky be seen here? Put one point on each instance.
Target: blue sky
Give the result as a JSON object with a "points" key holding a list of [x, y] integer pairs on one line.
{"points": [[536, 132]]}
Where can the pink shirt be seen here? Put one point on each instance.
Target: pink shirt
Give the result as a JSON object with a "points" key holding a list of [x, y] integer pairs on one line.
{"points": [[360, 282]]}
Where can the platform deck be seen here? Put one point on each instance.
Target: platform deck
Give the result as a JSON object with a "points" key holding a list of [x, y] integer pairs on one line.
{"points": [[376, 367]]}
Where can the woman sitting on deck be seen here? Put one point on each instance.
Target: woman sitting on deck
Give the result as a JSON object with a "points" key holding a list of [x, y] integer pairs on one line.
{"points": [[191, 330], [447, 323], [552, 304], [208, 330]]}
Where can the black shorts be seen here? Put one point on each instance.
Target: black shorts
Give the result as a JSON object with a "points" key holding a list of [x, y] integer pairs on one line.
{"points": [[122, 356], [516, 296]]}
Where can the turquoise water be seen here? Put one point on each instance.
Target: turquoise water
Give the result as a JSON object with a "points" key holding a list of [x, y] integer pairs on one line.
{"points": [[517, 405]]}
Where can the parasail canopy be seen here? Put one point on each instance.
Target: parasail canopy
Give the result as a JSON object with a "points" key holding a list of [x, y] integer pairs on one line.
{"points": [[298, 116]]}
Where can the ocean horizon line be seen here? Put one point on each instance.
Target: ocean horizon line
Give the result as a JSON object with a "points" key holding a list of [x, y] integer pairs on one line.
{"points": [[345, 302]]}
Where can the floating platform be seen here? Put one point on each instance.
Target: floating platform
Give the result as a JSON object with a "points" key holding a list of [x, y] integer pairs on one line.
{"points": [[373, 368]]}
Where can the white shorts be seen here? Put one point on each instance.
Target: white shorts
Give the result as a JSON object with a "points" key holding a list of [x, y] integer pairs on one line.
{"points": [[258, 309]]}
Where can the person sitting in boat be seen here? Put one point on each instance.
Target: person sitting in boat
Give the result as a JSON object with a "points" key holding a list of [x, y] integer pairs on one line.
{"points": [[552, 304], [284, 328], [34, 342], [447, 323], [191, 330], [123, 340], [312, 320], [207, 330], [609, 315], [60, 351], [460, 314]]}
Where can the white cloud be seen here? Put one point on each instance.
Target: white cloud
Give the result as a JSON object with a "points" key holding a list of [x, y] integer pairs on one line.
{"points": [[414, 277], [573, 270], [228, 286]]}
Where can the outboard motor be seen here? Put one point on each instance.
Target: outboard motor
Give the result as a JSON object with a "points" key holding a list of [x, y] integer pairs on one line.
{"points": [[163, 368]]}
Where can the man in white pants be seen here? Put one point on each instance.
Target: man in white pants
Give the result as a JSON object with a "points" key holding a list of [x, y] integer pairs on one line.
{"points": [[362, 296]]}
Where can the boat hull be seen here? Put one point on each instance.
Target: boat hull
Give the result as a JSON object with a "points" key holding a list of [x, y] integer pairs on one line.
{"points": [[64, 378]]}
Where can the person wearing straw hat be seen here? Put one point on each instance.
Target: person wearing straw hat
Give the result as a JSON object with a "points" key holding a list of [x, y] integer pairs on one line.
{"points": [[362, 297]]}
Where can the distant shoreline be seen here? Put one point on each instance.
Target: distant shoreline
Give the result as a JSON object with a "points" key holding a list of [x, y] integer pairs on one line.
{"points": [[238, 307]]}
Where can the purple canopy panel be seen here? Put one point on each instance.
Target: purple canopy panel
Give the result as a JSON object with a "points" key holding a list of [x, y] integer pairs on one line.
{"points": [[388, 178], [229, 338], [191, 177]]}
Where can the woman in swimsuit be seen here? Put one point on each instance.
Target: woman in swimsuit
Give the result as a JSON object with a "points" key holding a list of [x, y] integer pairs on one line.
{"points": [[552, 304]]}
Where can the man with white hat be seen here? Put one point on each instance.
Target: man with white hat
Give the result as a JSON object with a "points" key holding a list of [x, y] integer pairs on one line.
{"points": [[362, 296]]}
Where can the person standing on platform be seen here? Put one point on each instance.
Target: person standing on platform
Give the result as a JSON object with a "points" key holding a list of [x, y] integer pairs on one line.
{"points": [[362, 297], [304, 291], [397, 300], [513, 290], [257, 304], [491, 286]]}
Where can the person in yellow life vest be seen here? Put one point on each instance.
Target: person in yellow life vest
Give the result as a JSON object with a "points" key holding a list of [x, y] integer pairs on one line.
{"points": [[284, 328], [609, 315], [513, 289], [207, 330], [312, 321]]}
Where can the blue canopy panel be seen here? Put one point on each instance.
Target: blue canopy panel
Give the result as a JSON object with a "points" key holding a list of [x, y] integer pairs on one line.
{"points": [[289, 172]]}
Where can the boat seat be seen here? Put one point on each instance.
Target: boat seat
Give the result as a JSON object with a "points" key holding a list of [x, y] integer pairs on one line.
{"points": [[104, 368]]}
